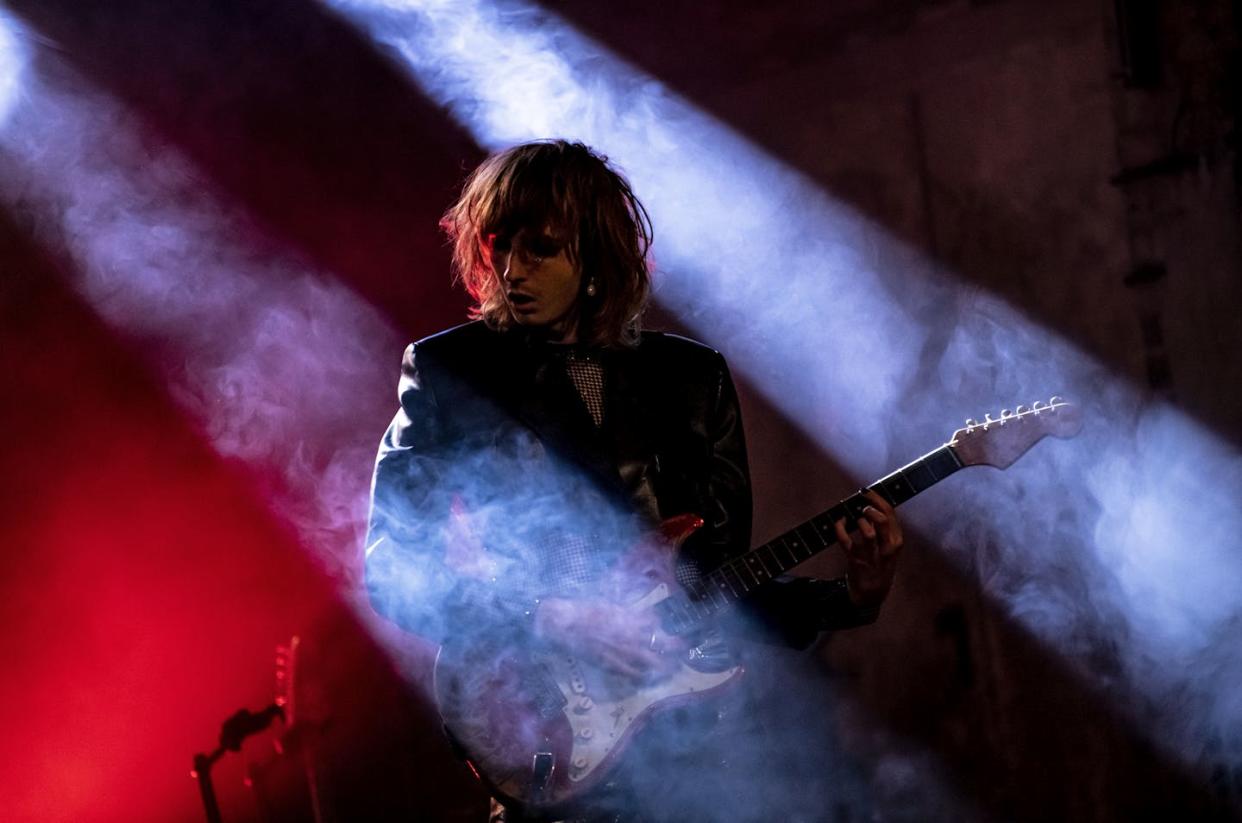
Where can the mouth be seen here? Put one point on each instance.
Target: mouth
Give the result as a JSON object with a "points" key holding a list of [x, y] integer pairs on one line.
{"points": [[517, 299]]}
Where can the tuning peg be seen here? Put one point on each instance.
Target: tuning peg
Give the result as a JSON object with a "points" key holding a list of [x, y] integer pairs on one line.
{"points": [[971, 423], [1006, 414], [1020, 410], [1055, 401], [987, 420], [1037, 406]]}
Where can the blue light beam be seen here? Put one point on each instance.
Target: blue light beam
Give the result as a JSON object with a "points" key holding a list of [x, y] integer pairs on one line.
{"points": [[13, 55], [1127, 539], [257, 345]]}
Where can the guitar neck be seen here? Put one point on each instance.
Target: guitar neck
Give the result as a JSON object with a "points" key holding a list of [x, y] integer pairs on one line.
{"points": [[739, 577]]}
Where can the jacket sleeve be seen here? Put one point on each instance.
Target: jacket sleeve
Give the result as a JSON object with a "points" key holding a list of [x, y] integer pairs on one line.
{"points": [[725, 502], [408, 578], [787, 611]]}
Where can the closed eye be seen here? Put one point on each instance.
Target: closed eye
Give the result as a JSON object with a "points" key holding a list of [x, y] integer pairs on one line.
{"points": [[544, 246]]}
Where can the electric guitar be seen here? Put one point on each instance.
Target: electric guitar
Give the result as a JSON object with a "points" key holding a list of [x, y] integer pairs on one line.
{"points": [[543, 728]]}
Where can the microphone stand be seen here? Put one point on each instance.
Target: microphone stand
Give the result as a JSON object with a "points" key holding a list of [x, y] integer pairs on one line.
{"points": [[238, 727]]}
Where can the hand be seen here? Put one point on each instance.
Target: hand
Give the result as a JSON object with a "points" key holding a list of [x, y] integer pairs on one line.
{"points": [[871, 556], [627, 642]]}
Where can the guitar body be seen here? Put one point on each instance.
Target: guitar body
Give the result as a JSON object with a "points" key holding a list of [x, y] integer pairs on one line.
{"points": [[543, 728]]}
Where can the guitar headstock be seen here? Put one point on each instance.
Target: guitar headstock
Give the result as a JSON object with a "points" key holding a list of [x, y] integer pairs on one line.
{"points": [[1000, 441]]}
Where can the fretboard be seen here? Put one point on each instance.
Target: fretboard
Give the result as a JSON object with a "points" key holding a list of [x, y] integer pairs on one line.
{"points": [[739, 577]]}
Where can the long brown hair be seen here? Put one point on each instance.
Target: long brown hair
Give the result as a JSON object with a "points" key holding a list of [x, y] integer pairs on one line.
{"points": [[572, 192]]}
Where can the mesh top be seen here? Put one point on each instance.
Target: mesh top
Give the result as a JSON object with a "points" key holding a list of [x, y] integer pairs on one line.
{"points": [[574, 559], [587, 375]]}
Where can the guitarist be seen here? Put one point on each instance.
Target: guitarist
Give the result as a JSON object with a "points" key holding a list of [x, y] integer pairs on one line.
{"points": [[533, 445]]}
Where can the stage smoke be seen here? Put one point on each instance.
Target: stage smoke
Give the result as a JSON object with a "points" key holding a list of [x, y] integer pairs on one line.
{"points": [[269, 355], [1120, 541]]}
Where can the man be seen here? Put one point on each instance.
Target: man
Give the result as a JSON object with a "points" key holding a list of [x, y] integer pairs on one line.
{"points": [[534, 445]]}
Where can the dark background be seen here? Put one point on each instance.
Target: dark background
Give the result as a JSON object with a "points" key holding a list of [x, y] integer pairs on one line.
{"points": [[1077, 158]]}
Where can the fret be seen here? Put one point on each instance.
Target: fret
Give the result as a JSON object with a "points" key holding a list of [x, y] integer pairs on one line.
{"points": [[942, 462], [779, 563], [767, 567], [800, 550], [739, 566], [919, 476], [811, 536], [797, 545], [793, 559], [826, 523], [896, 489], [854, 505], [722, 580], [826, 538], [755, 567], [884, 489], [730, 575], [807, 534], [722, 585]]}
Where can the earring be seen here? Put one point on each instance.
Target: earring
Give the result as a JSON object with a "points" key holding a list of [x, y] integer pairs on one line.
{"points": [[590, 289]]}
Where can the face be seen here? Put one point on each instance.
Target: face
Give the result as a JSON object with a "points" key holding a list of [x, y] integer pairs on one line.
{"points": [[539, 281]]}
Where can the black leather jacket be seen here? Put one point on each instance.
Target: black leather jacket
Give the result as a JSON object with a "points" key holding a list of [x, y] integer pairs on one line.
{"points": [[493, 447]]}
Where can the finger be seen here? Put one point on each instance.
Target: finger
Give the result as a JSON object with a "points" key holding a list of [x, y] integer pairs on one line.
{"points": [[886, 527], [891, 536], [884, 514], [843, 537], [879, 502], [874, 515], [893, 540], [870, 541], [858, 553]]}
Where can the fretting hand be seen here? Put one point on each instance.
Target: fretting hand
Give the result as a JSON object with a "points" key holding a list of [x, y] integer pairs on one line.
{"points": [[871, 554]]}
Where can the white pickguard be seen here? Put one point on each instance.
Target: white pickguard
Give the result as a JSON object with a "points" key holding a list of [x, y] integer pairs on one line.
{"points": [[601, 709]]}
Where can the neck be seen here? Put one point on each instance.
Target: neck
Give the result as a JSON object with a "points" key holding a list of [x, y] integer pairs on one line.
{"points": [[562, 332]]}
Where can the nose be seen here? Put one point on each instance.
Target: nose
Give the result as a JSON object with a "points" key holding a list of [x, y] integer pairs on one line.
{"points": [[515, 271]]}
